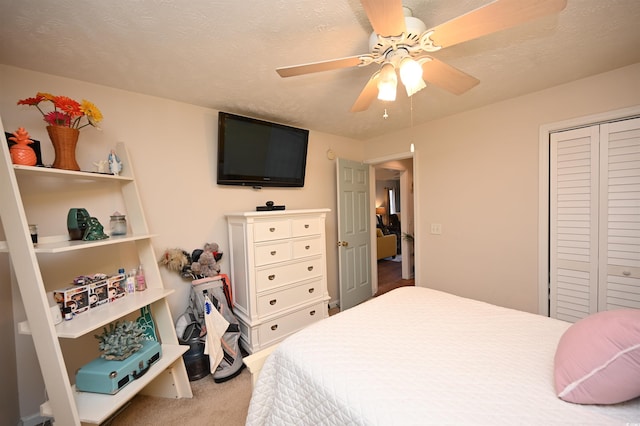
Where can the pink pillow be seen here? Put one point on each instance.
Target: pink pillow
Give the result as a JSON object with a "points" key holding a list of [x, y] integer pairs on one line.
{"points": [[598, 359]]}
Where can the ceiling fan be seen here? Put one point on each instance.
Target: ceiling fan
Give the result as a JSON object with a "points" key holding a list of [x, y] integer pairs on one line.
{"points": [[402, 43]]}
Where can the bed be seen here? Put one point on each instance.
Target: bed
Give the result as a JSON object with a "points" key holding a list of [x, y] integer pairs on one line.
{"points": [[416, 356]]}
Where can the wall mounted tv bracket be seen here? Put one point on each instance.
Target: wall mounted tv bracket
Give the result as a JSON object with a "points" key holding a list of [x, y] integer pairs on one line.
{"points": [[268, 207]]}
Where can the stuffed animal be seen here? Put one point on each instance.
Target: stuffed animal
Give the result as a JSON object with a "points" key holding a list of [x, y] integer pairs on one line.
{"points": [[199, 264], [210, 267], [205, 261], [175, 259], [214, 249]]}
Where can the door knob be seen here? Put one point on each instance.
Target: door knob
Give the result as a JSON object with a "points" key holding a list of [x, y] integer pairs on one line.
{"points": [[343, 243]]}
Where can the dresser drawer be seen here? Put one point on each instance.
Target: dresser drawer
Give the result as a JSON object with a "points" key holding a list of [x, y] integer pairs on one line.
{"points": [[276, 276], [305, 226], [308, 247], [271, 230], [278, 301], [279, 328], [272, 252]]}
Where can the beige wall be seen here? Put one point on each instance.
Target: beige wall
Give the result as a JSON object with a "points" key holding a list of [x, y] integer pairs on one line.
{"points": [[477, 175], [173, 147]]}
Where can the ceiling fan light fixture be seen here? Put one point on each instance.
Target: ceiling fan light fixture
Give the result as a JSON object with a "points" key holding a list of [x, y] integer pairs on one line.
{"points": [[411, 76], [415, 88], [392, 40], [387, 83], [386, 91]]}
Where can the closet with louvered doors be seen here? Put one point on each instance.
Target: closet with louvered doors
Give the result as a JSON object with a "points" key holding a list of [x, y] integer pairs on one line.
{"points": [[594, 204]]}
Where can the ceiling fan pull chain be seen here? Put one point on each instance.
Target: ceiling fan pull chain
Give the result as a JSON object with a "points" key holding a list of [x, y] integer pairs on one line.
{"points": [[411, 145]]}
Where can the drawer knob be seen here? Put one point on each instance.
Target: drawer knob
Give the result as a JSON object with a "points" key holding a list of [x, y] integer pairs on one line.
{"points": [[312, 313], [274, 327], [272, 277], [309, 268], [272, 302], [272, 229], [273, 253], [626, 273], [311, 290], [306, 226], [307, 247]]}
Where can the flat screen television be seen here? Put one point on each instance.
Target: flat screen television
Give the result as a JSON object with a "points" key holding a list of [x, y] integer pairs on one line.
{"points": [[258, 153]]}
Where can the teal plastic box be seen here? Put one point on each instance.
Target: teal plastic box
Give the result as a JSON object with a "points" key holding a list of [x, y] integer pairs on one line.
{"points": [[108, 377]]}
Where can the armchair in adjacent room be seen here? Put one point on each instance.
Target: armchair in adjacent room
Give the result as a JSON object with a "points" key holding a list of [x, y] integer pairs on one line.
{"points": [[386, 244]]}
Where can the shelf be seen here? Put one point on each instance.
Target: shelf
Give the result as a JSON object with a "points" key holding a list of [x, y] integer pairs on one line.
{"points": [[61, 244], [27, 189], [96, 408], [85, 322], [66, 174], [66, 245]]}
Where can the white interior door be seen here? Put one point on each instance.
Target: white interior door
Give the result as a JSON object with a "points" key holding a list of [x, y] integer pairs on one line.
{"points": [[619, 270], [354, 233], [594, 206], [573, 204]]}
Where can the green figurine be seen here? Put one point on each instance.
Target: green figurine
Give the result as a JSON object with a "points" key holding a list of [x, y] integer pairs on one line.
{"points": [[77, 220], [94, 230]]}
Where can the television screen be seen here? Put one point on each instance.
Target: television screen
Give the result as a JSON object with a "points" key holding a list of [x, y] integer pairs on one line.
{"points": [[259, 153]]}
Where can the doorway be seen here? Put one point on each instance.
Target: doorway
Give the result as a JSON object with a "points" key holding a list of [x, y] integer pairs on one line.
{"points": [[392, 197]]}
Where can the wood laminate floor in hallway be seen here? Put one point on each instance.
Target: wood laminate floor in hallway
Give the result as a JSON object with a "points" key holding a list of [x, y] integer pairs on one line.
{"points": [[390, 276]]}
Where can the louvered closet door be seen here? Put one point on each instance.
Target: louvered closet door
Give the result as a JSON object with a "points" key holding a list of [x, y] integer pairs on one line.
{"points": [[619, 275], [573, 223]]}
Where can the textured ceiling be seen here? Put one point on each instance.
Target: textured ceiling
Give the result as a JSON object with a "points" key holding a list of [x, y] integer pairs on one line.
{"points": [[223, 54]]}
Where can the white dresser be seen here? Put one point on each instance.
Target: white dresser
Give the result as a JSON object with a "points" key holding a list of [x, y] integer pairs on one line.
{"points": [[278, 273]]}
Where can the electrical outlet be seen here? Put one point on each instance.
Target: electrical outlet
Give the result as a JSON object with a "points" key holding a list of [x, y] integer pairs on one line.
{"points": [[436, 228]]}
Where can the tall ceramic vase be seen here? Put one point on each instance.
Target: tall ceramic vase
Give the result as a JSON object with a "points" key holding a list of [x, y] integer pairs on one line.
{"points": [[64, 140]]}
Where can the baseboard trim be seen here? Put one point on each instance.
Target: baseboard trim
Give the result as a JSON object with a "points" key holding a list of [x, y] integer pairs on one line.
{"points": [[333, 304]]}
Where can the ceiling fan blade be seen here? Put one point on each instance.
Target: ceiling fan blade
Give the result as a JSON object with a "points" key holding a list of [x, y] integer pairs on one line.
{"points": [[496, 16], [368, 94], [333, 64], [386, 16], [449, 78]]}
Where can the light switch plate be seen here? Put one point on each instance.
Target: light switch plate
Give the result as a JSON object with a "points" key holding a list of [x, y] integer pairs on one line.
{"points": [[436, 228]]}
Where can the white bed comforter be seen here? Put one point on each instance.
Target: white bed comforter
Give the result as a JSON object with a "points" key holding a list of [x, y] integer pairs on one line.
{"points": [[417, 356]]}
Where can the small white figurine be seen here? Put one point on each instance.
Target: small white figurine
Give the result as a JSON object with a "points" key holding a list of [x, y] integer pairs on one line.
{"points": [[115, 165], [102, 166]]}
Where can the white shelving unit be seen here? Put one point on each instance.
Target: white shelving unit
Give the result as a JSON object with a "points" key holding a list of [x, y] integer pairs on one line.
{"points": [[167, 377]]}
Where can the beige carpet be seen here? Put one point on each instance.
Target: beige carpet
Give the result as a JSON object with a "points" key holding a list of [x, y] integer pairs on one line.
{"points": [[212, 404]]}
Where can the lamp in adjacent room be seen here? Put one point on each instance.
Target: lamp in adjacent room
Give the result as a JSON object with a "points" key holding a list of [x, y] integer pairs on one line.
{"points": [[380, 214]]}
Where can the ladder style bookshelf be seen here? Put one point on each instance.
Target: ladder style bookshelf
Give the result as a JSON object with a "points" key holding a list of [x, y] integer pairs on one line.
{"points": [[167, 377]]}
